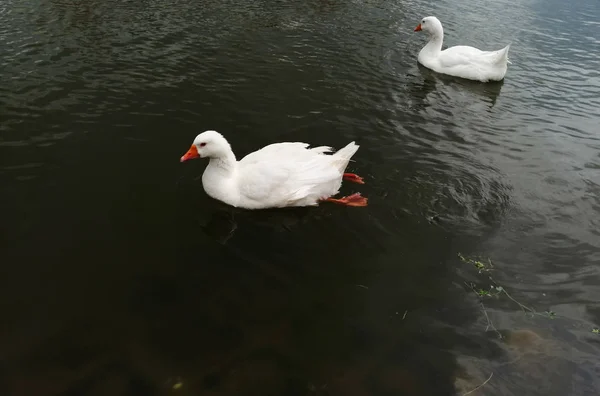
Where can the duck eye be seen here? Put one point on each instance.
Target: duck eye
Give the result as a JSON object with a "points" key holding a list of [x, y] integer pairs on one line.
{"points": [[202, 144], [423, 21]]}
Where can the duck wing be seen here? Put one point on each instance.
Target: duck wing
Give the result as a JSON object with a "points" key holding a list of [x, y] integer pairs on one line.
{"points": [[460, 55], [280, 150], [282, 173]]}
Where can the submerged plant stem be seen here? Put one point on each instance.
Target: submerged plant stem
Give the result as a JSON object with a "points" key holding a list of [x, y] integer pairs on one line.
{"points": [[489, 322], [485, 382], [523, 307]]}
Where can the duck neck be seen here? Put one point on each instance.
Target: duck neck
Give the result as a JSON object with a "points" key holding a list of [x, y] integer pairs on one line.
{"points": [[436, 39], [224, 165]]}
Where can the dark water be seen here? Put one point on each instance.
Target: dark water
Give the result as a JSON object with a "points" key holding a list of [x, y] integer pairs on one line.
{"points": [[119, 276]]}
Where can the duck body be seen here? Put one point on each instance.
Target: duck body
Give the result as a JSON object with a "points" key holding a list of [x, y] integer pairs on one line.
{"points": [[460, 61], [278, 175]]}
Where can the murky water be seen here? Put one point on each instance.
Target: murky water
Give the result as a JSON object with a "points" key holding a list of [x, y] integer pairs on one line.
{"points": [[118, 274]]}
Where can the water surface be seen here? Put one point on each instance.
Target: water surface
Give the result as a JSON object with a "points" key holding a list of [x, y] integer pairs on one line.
{"points": [[119, 275]]}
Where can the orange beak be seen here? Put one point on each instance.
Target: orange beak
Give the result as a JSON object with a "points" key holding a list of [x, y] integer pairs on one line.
{"points": [[418, 28], [191, 154]]}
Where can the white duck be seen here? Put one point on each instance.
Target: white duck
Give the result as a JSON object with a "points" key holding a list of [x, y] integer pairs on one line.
{"points": [[278, 175], [460, 61]]}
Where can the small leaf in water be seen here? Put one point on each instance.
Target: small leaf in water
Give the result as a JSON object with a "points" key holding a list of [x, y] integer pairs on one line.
{"points": [[177, 385], [551, 314], [596, 330]]}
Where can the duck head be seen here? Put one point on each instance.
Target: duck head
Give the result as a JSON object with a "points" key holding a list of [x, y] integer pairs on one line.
{"points": [[430, 25], [208, 144]]}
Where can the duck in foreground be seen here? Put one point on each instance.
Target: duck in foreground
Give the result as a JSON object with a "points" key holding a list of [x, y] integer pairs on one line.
{"points": [[460, 61], [276, 176]]}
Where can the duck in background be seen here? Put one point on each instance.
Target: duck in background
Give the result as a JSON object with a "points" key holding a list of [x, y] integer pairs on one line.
{"points": [[460, 61]]}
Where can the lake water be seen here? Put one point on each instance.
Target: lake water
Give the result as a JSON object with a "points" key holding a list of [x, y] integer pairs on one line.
{"points": [[119, 276]]}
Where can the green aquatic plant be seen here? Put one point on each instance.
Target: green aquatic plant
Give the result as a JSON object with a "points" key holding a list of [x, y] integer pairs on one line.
{"points": [[495, 291], [596, 330], [480, 265]]}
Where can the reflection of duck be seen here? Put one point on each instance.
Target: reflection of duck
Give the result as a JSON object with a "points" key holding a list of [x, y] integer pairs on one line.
{"points": [[460, 61], [489, 91], [221, 226], [225, 220]]}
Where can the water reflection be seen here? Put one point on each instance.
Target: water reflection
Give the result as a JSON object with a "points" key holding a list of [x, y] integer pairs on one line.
{"points": [[463, 90]]}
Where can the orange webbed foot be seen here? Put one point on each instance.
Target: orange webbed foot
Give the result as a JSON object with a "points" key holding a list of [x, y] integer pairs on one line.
{"points": [[351, 200], [353, 177]]}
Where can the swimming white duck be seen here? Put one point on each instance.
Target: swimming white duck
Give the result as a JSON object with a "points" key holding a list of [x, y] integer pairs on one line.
{"points": [[278, 175], [460, 61]]}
